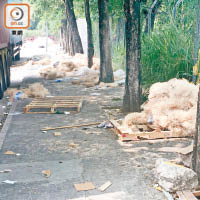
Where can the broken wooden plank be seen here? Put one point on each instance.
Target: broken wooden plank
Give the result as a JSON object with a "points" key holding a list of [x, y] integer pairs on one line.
{"points": [[184, 151], [73, 126], [84, 186], [181, 195], [149, 135], [105, 186], [189, 195], [196, 193], [128, 134]]}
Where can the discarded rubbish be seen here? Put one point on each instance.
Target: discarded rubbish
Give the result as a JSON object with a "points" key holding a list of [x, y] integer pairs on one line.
{"points": [[73, 145], [106, 124], [53, 105], [172, 106], [95, 94], [44, 131], [9, 182], [188, 195], [184, 151], [74, 126], [9, 103], [59, 80], [18, 154], [157, 187], [15, 113], [71, 66], [167, 195], [17, 95], [10, 153], [34, 90], [84, 186], [57, 134], [46, 173], [58, 112], [131, 134], [67, 113], [6, 171], [105, 186]]}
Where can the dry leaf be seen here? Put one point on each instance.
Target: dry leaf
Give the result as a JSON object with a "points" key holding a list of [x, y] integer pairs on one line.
{"points": [[57, 134], [84, 186], [46, 173], [73, 145], [9, 153]]}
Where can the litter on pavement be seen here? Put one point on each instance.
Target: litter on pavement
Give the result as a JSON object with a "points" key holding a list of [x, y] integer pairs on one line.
{"points": [[84, 186]]}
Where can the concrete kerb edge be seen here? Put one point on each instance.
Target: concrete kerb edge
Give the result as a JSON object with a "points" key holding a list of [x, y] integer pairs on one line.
{"points": [[6, 124]]}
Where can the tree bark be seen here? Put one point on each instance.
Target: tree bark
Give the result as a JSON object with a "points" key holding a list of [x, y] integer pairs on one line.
{"points": [[197, 32], [120, 29], [89, 34], [153, 16], [106, 72], [132, 96], [74, 36], [64, 35], [196, 150]]}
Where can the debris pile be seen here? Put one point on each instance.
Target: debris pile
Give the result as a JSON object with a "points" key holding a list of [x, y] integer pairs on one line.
{"points": [[87, 77], [170, 106], [64, 65], [34, 90]]}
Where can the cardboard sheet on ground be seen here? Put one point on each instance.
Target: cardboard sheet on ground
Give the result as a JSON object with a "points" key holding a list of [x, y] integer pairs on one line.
{"points": [[9, 153], [184, 151], [105, 186], [57, 134], [84, 186], [46, 173]]}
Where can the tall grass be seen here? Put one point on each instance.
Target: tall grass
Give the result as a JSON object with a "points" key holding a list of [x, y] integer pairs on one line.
{"points": [[166, 54]]}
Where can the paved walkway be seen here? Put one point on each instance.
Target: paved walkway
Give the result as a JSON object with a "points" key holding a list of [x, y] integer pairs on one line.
{"points": [[98, 158]]}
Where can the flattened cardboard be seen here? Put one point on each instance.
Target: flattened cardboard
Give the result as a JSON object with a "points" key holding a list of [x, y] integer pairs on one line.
{"points": [[84, 186]]}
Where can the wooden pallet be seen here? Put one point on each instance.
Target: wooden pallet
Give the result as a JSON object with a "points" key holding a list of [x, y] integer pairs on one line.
{"points": [[187, 195], [129, 135], [51, 105]]}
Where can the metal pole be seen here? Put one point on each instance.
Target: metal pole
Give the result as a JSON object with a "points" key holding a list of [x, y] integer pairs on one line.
{"points": [[47, 35]]}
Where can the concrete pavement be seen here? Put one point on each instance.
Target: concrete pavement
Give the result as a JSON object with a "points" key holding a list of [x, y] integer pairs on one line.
{"points": [[98, 158]]}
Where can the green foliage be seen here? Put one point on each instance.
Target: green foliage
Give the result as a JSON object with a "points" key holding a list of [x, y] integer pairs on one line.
{"points": [[51, 11], [166, 54]]}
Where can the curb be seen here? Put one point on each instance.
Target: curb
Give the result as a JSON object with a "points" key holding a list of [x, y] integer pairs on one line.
{"points": [[6, 124]]}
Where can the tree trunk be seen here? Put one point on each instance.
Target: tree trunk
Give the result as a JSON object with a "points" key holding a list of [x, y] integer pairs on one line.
{"points": [[153, 15], [72, 28], [197, 32], [89, 33], [154, 12], [196, 150], [120, 29], [106, 72], [64, 35], [132, 96]]}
